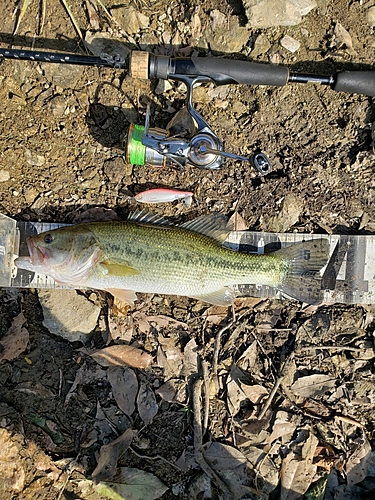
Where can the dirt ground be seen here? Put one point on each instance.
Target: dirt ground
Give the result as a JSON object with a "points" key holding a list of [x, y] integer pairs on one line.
{"points": [[61, 133]]}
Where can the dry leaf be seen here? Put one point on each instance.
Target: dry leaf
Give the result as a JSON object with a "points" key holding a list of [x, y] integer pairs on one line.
{"points": [[124, 385], [235, 396], [234, 391], [255, 393], [102, 424], [216, 314], [343, 39], [160, 321], [93, 15], [231, 465], [146, 403], [224, 456], [109, 455], [312, 385], [254, 430], [285, 425], [249, 358], [237, 223], [190, 359], [121, 355], [269, 319], [15, 340], [169, 357], [265, 469], [132, 484], [297, 471], [173, 391], [85, 375], [242, 303], [119, 307], [121, 328], [357, 465]]}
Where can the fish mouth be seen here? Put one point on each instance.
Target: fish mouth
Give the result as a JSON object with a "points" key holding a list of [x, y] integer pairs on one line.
{"points": [[37, 254]]}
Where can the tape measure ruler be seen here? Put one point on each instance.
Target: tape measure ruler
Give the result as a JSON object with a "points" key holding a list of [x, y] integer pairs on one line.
{"points": [[348, 278]]}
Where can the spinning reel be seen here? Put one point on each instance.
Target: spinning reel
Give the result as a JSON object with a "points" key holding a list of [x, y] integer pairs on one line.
{"points": [[187, 141]]}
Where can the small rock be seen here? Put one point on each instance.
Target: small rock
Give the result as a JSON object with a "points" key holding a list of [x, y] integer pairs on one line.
{"points": [[30, 194], [289, 215], [162, 86], [261, 46], [130, 19], [58, 105], [290, 43], [33, 158], [148, 40], [371, 16], [92, 180], [39, 203], [4, 175], [270, 13], [217, 19], [68, 314], [226, 36], [67, 76], [98, 43]]}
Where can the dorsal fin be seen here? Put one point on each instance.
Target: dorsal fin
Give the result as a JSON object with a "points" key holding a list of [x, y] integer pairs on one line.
{"points": [[147, 217], [213, 225]]}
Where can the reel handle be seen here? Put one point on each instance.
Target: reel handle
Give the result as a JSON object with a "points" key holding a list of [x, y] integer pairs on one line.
{"points": [[258, 160]]}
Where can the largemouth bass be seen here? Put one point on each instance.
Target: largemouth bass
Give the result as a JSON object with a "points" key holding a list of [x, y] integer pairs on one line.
{"points": [[148, 254]]}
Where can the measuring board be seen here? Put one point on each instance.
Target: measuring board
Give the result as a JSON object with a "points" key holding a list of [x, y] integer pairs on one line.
{"points": [[348, 277]]}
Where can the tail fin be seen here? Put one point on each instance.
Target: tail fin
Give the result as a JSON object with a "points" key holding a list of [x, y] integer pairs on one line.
{"points": [[306, 259]]}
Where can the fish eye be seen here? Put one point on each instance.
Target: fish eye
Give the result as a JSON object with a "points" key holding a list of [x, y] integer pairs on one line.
{"points": [[48, 238]]}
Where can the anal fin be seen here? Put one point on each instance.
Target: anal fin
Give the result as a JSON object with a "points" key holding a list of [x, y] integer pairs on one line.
{"points": [[223, 297], [128, 296]]}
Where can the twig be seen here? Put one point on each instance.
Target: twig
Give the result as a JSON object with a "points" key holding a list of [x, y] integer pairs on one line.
{"points": [[156, 457], [350, 421], [270, 398], [236, 333], [275, 387], [198, 453], [60, 381], [263, 351], [206, 378], [69, 469], [233, 313], [43, 8], [329, 348], [215, 355]]}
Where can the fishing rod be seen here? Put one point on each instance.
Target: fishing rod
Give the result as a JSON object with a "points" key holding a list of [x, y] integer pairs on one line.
{"points": [[145, 145]]}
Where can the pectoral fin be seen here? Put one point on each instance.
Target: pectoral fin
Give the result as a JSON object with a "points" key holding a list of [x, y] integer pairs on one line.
{"points": [[128, 296], [117, 269], [223, 297]]}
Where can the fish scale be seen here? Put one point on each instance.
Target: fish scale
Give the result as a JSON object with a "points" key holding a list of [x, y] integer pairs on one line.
{"points": [[184, 259]]}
